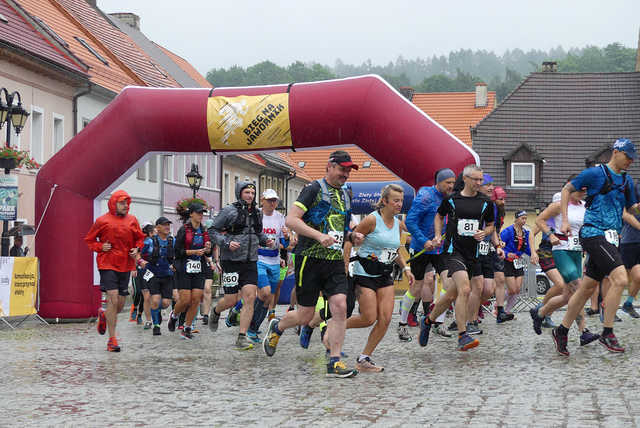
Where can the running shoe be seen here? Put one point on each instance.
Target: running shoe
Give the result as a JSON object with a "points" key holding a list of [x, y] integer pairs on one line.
{"points": [[628, 308], [156, 330], [473, 329], [611, 343], [587, 337], [171, 325], [102, 321], [561, 342], [537, 320], [547, 322], [412, 320], [186, 333], [112, 345], [214, 318], [305, 336], [453, 326], [338, 369], [181, 319], [242, 343], [253, 336], [480, 313], [231, 319], [139, 319], [148, 325], [441, 331], [205, 319], [503, 317], [591, 312], [403, 333], [271, 338], [466, 342], [425, 329], [617, 318], [133, 314], [366, 365]]}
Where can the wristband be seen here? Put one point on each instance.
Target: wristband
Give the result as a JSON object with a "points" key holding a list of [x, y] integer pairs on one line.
{"points": [[407, 268]]}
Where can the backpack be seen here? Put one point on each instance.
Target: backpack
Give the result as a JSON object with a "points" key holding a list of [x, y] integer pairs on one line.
{"points": [[608, 186], [241, 220], [317, 216], [155, 254], [189, 233]]}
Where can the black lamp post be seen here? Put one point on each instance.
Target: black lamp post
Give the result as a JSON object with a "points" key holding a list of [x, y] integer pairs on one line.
{"points": [[194, 179], [17, 116]]}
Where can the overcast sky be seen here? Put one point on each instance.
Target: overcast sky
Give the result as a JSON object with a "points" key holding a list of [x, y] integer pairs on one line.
{"points": [[221, 34]]}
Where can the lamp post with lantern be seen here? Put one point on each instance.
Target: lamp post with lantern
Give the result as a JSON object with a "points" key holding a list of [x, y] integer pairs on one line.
{"points": [[194, 179]]}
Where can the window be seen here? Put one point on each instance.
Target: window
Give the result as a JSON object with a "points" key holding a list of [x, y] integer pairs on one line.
{"points": [[180, 160], [227, 190], [523, 174], [37, 134], [142, 172], [95, 53], [269, 183], [153, 169], [263, 184], [58, 132], [50, 31], [168, 167]]}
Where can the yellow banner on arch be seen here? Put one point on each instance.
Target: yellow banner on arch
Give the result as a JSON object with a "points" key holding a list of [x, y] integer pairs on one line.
{"points": [[18, 286], [249, 122]]}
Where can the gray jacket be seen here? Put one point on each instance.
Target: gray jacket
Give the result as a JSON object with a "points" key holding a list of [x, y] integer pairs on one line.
{"points": [[246, 236]]}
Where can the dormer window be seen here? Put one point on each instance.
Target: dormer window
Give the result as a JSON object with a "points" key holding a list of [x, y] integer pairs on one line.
{"points": [[523, 167]]}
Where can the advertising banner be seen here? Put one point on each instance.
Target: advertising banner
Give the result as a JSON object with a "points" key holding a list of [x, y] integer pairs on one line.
{"points": [[8, 197], [248, 122], [18, 286], [365, 195]]}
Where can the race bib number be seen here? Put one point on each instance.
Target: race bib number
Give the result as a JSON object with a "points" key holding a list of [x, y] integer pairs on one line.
{"points": [[388, 255], [468, 227], [339, 237], [483, 248], [518, 263], [611, 236], [194, 266], [147, 275], [574, 243], [230, 279]]}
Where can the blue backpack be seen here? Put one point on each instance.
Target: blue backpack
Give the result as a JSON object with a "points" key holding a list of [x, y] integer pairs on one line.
{"points": [[317, 216]]}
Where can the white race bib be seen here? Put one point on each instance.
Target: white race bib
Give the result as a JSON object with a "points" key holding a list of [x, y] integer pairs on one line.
{"points": [[193, 266], [468, 227], [483, 248], [574, 243], [147, 275], [388, 255], [518, 263], [230, 279], [339, 237], [611, 236]]}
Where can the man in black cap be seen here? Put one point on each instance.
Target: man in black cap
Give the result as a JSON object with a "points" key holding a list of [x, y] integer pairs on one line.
{"points": [[321, 216]]}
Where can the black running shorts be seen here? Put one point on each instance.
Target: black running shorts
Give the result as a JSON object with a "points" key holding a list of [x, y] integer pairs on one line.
{"points": [[630, 254], [457, 262], [236, 275], [419, 265], [114, 280], [190, 281], [487, 266], [510, 270], [325, 313], [603, 258], [315, 275], [374, 282], [162, 286]]}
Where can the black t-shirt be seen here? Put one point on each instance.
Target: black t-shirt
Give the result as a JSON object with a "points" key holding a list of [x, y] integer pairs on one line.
{"points": [[467, 215]]}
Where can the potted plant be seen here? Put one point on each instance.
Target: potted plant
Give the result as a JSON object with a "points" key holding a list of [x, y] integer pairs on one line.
{"points": [[182, 207], [11, 158]]}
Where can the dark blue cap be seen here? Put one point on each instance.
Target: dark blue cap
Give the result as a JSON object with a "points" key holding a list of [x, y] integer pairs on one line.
{"points": [[625, 145]]}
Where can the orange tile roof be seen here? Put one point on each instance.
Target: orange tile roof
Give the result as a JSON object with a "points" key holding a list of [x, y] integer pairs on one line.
{"points": [[112, 76], [316, 162], [252, 157], [120, 44], [186, 67], [300, 173], [455, 111]]}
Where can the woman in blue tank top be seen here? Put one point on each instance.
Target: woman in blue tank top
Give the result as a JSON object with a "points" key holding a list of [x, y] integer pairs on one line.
{"points": [[372, 271]]}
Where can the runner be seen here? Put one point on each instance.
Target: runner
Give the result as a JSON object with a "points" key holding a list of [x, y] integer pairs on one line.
{"points": [[238, 231], [159, 252], [420, 225], [116, 237], [567, 256], [372, 271], [467, 211], [320, 217], [630, 252], [498, 197], [191, 246], [609, 191], [211, 267]]}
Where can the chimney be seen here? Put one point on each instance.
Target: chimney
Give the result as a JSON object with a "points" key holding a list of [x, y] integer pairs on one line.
{"points": [[481, 95], [131, 19], [549, 67], [638, 56], [407, 92]]}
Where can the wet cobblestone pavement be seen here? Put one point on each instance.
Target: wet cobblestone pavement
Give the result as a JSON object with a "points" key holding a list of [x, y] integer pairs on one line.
{"points": [[62, 375]]}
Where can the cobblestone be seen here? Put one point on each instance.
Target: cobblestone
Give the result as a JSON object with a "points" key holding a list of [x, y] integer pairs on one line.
{"points": [[62, 375]]}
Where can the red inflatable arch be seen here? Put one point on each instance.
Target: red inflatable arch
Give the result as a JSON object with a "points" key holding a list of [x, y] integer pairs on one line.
{"points": [[364, 111]]}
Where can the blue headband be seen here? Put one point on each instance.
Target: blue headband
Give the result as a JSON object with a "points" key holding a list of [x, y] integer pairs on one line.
{"points": [[520, 213], [443, 174]]}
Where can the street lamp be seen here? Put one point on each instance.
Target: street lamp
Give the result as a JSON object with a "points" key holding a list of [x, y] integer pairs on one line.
{"points": [[17, 116], [194, 179]]}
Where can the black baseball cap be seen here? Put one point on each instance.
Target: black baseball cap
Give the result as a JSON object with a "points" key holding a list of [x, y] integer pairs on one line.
{"points": [[163, 220], [342, 158], [196, 208]]}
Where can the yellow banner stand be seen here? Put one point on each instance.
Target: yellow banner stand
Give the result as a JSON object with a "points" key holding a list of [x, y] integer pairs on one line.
{"points": [[19, 280], [249, 122]]}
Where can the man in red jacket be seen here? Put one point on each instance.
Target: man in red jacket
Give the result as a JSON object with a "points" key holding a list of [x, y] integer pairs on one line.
{"points": [[116, 237]]}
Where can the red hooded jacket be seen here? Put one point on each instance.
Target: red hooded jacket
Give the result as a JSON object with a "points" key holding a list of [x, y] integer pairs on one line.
{"points": [[122, 232]]}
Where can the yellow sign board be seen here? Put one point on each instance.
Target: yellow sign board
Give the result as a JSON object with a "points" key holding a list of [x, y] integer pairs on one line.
{"points": [[248, 122], [18, 286]]}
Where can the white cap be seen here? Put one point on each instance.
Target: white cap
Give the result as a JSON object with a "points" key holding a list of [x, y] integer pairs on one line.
{"points": [[270, 194]]}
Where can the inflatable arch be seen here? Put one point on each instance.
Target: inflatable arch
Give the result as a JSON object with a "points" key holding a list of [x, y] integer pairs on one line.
{"points": [[364, 111]]}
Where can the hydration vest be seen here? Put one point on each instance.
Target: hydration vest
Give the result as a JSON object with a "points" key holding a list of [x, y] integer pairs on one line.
{"points": [[155, 254], [241, 219], [317, 216], [608, 186]]}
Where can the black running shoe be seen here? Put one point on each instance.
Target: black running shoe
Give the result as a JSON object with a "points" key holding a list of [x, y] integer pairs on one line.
{"points": [[205, 319], [611, 343], [156, 330], [214, 318], [561, 342], [171, 325], [186, 333], [338, 369], [453, 326], [587, 337], [503, 317], [590, 312], [629, 309], [537, 320]]}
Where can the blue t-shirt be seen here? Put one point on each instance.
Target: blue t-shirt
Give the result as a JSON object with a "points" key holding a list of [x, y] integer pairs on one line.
{"points": [[161, 267], [420, 218], [605, 211], [630, 235]]}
